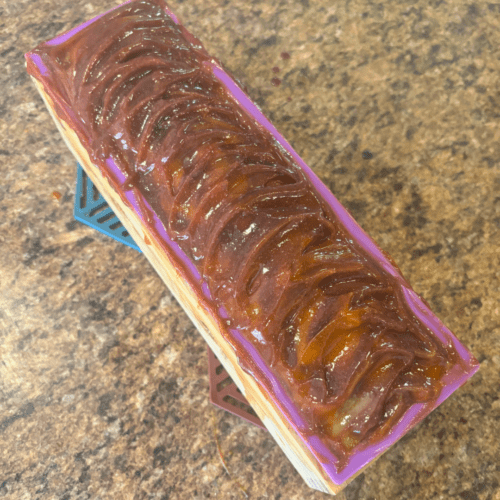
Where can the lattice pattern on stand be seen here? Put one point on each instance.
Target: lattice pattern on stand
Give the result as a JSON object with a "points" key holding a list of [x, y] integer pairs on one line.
{"points": [[225, 394], [93, 210]]}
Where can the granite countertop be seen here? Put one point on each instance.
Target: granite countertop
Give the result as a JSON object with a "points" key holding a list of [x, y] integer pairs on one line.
{"points": [[103, 379]]}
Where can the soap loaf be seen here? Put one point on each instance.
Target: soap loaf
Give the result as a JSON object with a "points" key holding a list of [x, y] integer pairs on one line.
{"points": [[315, 324]]}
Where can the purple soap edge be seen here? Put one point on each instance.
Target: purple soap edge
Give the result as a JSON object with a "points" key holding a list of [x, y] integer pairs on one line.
{"points": [[454, 379]]}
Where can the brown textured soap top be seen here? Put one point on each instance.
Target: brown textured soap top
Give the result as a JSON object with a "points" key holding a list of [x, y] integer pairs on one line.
{"points": [[329, 320]]}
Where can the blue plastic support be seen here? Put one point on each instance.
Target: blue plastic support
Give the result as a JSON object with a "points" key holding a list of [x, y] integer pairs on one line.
{"points": [[93, 210]]}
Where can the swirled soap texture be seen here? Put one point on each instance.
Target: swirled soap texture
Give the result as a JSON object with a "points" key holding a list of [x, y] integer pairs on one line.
{"points": [[328, 319]]}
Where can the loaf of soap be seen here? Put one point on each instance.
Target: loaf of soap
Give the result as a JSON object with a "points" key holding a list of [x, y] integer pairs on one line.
{"points": [[315, 324]]}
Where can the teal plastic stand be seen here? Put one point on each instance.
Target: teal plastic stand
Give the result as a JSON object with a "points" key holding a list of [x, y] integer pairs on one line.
{"points": [[93, 210]]}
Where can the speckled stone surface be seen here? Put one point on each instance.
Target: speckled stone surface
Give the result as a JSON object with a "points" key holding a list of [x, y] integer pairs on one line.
{"points": [[103, 379]]}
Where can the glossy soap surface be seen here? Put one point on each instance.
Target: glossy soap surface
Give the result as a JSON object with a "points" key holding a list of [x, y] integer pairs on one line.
{"points": [[279, 266]]}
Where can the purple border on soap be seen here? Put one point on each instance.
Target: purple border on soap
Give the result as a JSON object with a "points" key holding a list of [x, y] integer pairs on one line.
{"points": [[454, 379], [73, 31]]}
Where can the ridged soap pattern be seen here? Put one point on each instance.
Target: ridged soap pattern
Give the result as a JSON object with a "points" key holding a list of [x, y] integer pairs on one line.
{"points": [[323, 313]]}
